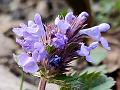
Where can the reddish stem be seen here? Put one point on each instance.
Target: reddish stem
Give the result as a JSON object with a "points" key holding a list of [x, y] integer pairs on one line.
{"points": [[42, 84]]}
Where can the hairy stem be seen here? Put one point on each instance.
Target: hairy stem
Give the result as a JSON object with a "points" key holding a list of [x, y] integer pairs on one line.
{"points": [[42, 84], [22, 80]]}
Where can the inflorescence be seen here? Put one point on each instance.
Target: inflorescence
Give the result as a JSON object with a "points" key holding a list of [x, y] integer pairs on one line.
{"points": [[53, 46]]}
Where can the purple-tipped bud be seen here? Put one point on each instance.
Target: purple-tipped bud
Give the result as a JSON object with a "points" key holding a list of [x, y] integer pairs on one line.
{"points": [[83, 14], [69, 17], [62, 25]]}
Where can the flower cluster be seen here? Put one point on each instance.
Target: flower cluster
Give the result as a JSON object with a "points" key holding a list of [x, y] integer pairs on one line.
{"points": [[53, 46]]}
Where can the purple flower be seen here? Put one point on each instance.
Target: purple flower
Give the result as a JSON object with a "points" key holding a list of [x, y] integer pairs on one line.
{"points": [[83, 16], [104, 43], [39, 53], [104, 27], [81, 19], [27, 45], [31, 28], [62, 25], [35, 28], [85, 51], [92, 46], [69, 17], [21, 30], [38, 21], [27, 63], [59, 40], [36, 39], [95, 34]]}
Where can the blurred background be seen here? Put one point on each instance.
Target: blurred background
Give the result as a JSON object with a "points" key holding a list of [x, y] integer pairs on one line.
{"points": [[13, 12]]}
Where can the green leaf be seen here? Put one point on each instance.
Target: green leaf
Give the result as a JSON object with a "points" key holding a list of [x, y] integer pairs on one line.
{"points": [[117, 5], [101, 68], [50, 49], [95, 81], [98, 55], [103, 83], [85, 81], [63, 12]]}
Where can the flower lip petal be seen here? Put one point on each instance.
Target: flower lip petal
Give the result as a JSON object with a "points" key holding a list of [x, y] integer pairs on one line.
{"points": [[104, 43], [89, 58], [30, 23], [18, 31], [62, 25], [93, 46], [104, 27], [38, 45], [32, 27], [30, 67], [38, 21], [23, 59], [57, 20], [83, 50], [92, 32]]}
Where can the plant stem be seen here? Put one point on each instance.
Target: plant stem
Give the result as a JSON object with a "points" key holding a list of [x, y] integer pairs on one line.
{"points": [[42, 83], [22, 80]]}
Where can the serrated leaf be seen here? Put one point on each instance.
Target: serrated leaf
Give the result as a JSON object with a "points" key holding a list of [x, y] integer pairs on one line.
{"points": [[103, 83], [101, 68], [98, 55], [85, 81], [96, 81]]}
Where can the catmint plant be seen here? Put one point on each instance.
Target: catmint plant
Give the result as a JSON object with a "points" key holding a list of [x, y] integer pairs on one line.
{"points": [[48, 49]]}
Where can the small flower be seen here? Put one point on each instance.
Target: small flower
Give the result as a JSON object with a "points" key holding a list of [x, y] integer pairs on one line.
{"points": [[33, 28], [39, 53], [59, 40], [95, 34], [28, 64], [85, 51]]}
